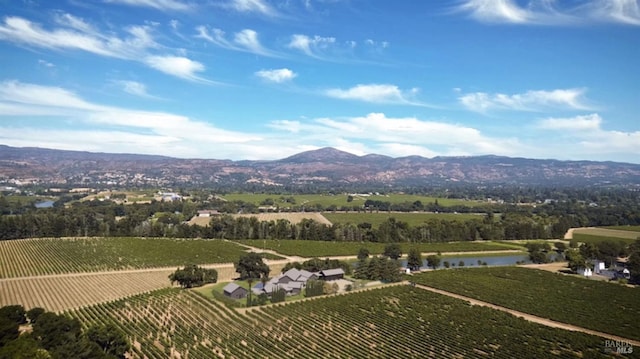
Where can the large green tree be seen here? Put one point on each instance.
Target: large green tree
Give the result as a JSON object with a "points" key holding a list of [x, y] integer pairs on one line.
{"points": [[433, 261], [575, 260], [414, 259], [111, 340], [193, 276], [251, 267], [392, 251], [363, 253]]}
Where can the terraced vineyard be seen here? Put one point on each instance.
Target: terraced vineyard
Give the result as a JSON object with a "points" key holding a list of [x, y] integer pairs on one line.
{"points": [[604, 307], [395, 322], [324, 248], [31, 257]]}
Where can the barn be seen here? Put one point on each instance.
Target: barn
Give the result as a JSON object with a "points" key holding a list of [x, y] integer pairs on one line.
{"points": [[235, 291], [332, 274]]}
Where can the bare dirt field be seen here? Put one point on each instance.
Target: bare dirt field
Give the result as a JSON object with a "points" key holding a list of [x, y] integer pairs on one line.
{"points": [[293, 217]]}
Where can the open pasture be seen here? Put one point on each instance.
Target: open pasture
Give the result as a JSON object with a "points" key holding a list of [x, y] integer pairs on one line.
{"points": [[324, 248], [393, 322], [588, 238], [606, 232], [625, 228], [31, 257], [411, 218], [340, 200], [601, 306]]}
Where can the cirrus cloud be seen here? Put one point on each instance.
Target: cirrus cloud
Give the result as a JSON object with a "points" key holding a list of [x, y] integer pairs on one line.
{"points": [[376, 93], [572, 99], [277, 75], [545, 12], [166, 5], [76, 34], [177, 66]]}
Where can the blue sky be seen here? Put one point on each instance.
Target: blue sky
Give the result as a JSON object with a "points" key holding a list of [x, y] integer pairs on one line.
{"points": [[265, 79]]}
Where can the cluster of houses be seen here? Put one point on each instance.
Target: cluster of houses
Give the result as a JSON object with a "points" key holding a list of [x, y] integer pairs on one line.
{"points": [[291, 281], [616, 271]]}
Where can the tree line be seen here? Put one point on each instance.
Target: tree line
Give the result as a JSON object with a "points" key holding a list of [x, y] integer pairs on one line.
{"points": [[168, 219], [54, 336]]}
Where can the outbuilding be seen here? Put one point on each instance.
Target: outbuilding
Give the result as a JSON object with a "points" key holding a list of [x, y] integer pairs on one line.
{"points": [[332, 274], [235, 291]]}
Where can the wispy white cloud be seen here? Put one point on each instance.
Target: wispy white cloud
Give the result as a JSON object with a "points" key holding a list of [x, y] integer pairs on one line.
{"points": [[134, 88], [22, 31], [215, 36], [165, 5], [329, 48], [134, 130], [74, 22], [286, 125], [311, 46], [248, 39], [577, 123], [377, 93], [550, 12], [497, 11], [277, 75], [621, 11], [45, 63], [177, 66], [76, 34], [24, 94], [572, 99], [589, 140], [252, 6], [431, 136], [245, 40]]}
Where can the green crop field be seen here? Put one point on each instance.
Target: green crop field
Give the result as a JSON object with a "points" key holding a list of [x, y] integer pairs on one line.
{"points": [[393, 322], [29, 257], [588, 238], [605, 232], [625, 228], [341, 200], [413, 219], [605, 307], [323, 249]]}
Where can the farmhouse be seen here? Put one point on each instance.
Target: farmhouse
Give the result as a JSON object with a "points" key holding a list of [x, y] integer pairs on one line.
{"points": [[292, 281], [332, 274], [235, 291]]}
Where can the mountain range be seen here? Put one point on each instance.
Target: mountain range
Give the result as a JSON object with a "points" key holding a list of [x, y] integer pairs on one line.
{"points": [[325, 167]]}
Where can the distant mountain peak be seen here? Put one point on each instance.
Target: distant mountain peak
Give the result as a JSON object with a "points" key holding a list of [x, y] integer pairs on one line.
{"points": [[327, 167], [325, 154]]}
